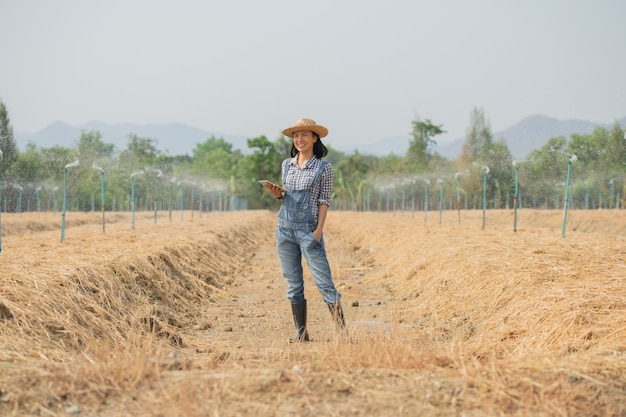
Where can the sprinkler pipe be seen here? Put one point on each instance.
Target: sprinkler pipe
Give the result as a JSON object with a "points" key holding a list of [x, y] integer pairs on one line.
{"points": [[440, 182], [72, 165], [388, 197], [171, 184], [200, 200], [572, 158], [132, 193], [54, 199], [156, 193], [427, 183], [18, 207], [458, 194], [180, 197], [97, 168], [485, 173], [611, 183], [38, 200], [412, 198], [403, 200], [515, 203], [0, 209], [193, 186]]}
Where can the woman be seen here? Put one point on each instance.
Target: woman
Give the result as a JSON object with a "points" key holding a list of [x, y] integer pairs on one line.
{"points": [[307, 186]]}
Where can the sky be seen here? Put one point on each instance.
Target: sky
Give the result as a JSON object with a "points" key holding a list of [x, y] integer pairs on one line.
{"points": [[364, 69]]}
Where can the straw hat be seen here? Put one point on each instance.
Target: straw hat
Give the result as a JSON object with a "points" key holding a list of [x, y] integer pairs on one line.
{"points": [[306, 124]]}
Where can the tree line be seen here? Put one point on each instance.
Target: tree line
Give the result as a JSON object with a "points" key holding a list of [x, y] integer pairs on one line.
{"points": [[217, 177]]}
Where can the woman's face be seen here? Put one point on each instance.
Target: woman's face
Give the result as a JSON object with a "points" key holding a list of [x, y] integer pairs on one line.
{"points": [[304, 141]]}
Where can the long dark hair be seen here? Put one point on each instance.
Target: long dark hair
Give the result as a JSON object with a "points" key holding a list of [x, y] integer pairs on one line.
{"points": [[319, 150]]}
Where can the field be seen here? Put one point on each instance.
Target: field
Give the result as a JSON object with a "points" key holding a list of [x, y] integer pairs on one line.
{"points": [[187, 317]]}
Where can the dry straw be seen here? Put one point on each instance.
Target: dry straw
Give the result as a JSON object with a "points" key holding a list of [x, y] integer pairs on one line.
{"points": [[190, 318]]}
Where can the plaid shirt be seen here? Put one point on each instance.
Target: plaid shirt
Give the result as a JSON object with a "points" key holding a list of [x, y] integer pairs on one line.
{"points": [[299, 179]]}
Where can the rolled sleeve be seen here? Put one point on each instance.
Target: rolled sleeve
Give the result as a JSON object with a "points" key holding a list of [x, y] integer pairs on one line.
{"points": [[326, 185]]}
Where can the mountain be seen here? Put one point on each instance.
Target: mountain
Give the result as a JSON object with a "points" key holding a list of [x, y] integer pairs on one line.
{"points": [[171, 138], [529, 134]]}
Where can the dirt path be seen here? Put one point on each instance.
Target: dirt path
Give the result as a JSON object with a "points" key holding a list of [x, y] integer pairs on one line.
{"points": [[253, 323]]}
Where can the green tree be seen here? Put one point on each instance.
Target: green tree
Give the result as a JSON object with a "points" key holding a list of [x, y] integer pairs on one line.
{"points": [[93, 153], [213, 159], [263, 163], [140, 152], [8, 147], [420, 146], [478, 139], [350, 178], [543, 172], [616, 149]]}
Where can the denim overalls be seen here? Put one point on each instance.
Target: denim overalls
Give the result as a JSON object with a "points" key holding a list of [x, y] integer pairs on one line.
{"points": [[294, 239]]}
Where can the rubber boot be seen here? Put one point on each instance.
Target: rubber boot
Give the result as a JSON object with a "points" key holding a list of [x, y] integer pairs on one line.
{"points": [[298, 309], [340, 322]]}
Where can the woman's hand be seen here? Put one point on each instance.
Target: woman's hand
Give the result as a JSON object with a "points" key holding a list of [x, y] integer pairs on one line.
{"points": [[276, 190]]}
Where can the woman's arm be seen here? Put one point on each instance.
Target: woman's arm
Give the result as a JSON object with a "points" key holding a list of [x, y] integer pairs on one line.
{"points": [[321, 219]]}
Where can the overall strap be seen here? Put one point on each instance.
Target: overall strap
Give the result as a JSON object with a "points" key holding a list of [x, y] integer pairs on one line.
{"points": [[318, 174]]}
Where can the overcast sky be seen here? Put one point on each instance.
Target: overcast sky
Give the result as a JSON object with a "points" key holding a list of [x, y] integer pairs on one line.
{"points": [[365, 69]]}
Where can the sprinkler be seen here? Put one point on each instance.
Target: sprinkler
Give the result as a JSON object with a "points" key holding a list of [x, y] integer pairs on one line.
{"points": [[180, 197], [0, 210], [572, 158], [515, 203], [202, 190], [440, 182], [193, 186], [388, 197], [412, 198], [611, 183], [54, 199], [72, 165], [156, 193], [171, 183], [18, 207], [457, 177], [132, 186], [402, 191], [97, 168], [485, 173], [38, 201]]}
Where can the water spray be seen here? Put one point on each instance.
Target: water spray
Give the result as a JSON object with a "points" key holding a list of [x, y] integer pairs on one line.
{"points": [[572, 158], [72, 165], [485, 169], [132, 187], [97, 168]]}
